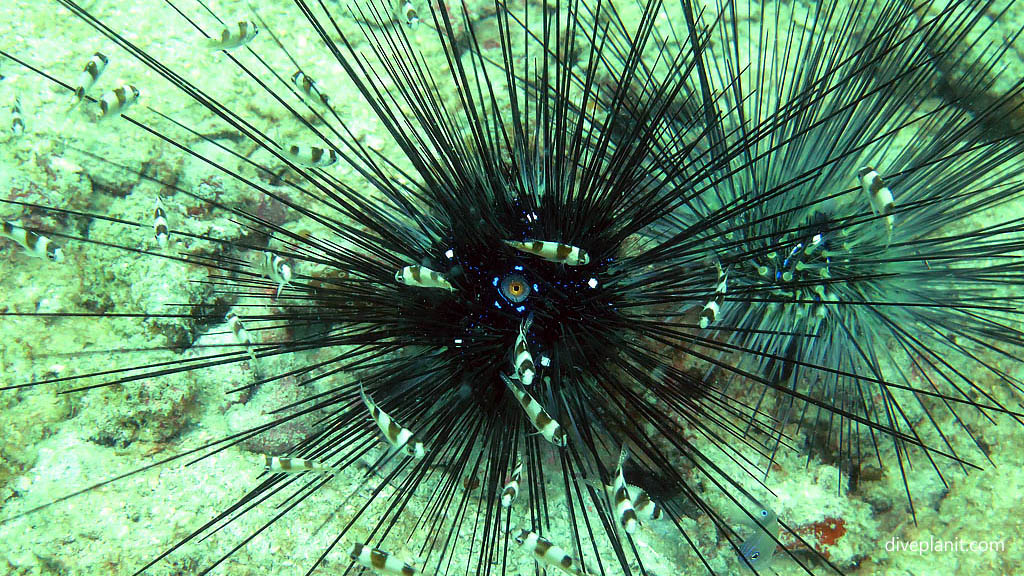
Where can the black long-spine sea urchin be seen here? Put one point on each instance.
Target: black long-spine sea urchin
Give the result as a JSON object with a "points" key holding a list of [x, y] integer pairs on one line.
{"points": [[727, 281]]}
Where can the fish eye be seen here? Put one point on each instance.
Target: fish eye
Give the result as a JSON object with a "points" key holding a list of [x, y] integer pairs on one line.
{"points": [[514, 288], [764, 513]]}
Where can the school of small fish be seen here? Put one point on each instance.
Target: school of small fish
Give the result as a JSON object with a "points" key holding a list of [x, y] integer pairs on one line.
{"points": [[630, 503]]}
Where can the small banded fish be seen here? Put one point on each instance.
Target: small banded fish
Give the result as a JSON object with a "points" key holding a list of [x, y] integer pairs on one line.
{"points": [[511, 489], [160, 231], [310, 156], [394, 433], [412, 17], [620, 496], [35, 245], [17, 121], [714, 306], [541, 420], [277, 269], [276, 465], [879, 195], [241, 334], [547, 553], [422, 277], [236, 36], [87, 78], [522, 359], [645, 508], [552, 251], [117, 101], [759, 547], [310, 88], [380, 562]]}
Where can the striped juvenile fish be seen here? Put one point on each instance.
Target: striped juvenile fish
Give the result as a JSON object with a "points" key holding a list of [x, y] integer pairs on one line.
{"points": [[310, 156], [645, 508], [17, 120], [542, 422], [35, 245], [511, 489], [394, 433], [380, 562], [552, 251], [714, 306], [87, 78], [412, 17], [160, 230], [620, 496], [547, 553], [241, 334], [310, 88], [117, 101], [522, 360], [236, 36], [879, 195], [277, 269], [422, 277], [276, 465]]}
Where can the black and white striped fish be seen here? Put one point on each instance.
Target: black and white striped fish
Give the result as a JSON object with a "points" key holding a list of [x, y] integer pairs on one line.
{"points": [[620, 496], [879, 195], [547, 553], [87, 78], [541, 420], [309, 87], [552, 251], [117, 102], [714, 306], [234, 36], [279, 465], [160, 230], [422, 277], [278, 269], [511, 488], [310, 156], [17, 120], [241, 335], [380, 562], [35, 245], [522, 360], [646, 508], [394, 433]]}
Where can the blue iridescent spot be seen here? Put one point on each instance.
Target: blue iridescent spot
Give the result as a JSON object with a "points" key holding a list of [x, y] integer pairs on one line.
{"points": [[515, 288]]}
